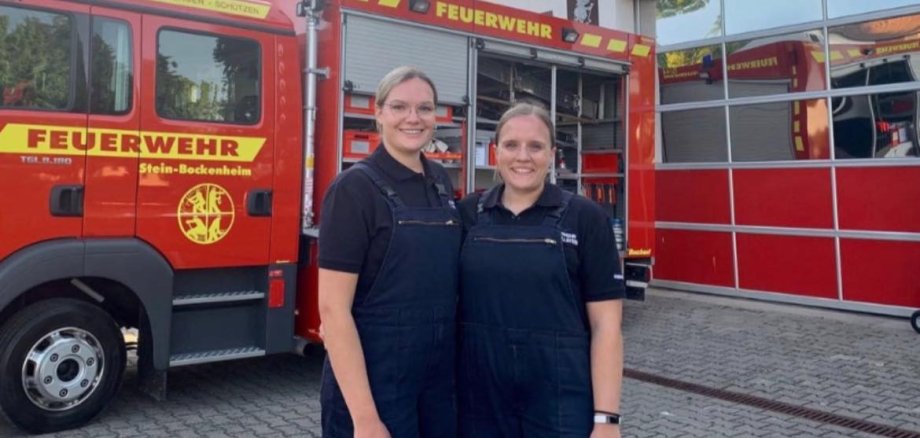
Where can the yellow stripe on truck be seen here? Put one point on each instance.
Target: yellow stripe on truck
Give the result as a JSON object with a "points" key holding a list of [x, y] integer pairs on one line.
{"points": [[591, 40], [68, 140], [616, 46], [247, 8], [641, 50]]}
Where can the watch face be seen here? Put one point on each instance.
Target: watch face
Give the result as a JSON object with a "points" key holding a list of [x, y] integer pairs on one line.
{"points": [[606, 419]]}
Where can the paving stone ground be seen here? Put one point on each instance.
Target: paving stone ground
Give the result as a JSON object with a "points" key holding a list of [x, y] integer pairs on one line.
{"points": [[860, 366]]}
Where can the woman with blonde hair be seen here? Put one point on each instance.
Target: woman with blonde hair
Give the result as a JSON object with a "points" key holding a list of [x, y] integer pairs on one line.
{"points": [[541, 352], [388, 255]]}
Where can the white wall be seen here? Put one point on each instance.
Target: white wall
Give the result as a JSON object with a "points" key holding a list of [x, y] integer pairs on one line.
{"points": [[614, 14]]}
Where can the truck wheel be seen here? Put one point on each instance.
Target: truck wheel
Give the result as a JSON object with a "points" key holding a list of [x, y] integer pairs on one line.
{"points": [[915, 321], [61, 362]]}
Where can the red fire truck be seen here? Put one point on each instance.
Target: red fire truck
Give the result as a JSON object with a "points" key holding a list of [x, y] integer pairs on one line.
{"points": [[865, 126], [161, 160]]}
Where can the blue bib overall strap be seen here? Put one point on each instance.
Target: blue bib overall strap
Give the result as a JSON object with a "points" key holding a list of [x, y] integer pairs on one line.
{"points": [[447, 198], [388, 192], [406, 322], [524, 365]]}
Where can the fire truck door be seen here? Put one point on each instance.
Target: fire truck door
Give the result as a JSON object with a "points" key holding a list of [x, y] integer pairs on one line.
{"points": [[114, 123], [43, 138], [204, 195]]}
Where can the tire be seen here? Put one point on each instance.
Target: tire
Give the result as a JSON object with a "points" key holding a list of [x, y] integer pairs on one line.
{"points": [[915, 321], [61, 363]]}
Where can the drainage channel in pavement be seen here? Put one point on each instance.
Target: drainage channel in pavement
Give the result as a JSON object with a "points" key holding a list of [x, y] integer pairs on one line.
{"points": [[775, 406]]}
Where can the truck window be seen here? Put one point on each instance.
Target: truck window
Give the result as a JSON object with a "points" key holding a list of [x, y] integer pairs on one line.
{"points": [[36, 59], [112, 73], [208, 78]]}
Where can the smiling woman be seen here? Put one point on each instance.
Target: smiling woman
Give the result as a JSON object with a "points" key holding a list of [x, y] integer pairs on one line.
{"points": [[388, 260], [540, 301], [524, 153], [406, 119]]}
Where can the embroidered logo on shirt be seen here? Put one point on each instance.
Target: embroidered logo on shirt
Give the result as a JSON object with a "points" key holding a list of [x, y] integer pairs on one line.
{"points": [[569, 238]]}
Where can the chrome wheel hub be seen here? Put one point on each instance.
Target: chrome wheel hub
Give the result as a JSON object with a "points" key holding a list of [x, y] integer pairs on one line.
{"points": [[63, 369]]}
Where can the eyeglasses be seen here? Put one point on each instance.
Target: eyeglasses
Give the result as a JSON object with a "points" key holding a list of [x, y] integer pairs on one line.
{"points": [[401, 109], [530, 147]]}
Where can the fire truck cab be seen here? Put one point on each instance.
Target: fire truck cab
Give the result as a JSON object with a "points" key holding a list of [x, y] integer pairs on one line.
{"points": [[160, 161], [888, 122]]}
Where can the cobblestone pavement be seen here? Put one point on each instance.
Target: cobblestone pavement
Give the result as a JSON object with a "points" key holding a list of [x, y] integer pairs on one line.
{"points": [[858, 366]]}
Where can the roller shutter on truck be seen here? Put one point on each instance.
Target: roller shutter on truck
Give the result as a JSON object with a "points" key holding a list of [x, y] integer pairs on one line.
{"points": [[374, 47], [761, 132], [766, 128]]}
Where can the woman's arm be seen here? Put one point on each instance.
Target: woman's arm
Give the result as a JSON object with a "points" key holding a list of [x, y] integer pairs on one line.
{"points": [[604, 318], [340, 334]]}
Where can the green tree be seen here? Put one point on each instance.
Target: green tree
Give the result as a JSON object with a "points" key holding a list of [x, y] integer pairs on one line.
{"points": [[179, 97], [35, 59], [669, 8], [235, 69], [103, 75], [240, 81]]}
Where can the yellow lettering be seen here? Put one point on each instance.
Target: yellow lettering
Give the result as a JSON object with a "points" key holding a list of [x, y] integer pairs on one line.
{"points": [[897, 48], [533, 28], [491, 20], [22, 139], [158, 144], [228, 147], [129, 143], [107, 142], [235, 7], [206, 146], [157, 169], [58, 139], [185, 146], [466, 15], [757, 63], [643, 252], [35, 137]]}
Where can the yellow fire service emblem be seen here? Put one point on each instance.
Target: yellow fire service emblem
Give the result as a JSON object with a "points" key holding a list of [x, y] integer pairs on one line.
{"points": [[205, 213]]}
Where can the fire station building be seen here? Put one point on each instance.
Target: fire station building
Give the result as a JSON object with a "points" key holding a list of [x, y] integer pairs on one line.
{"points": [[789, 158]]}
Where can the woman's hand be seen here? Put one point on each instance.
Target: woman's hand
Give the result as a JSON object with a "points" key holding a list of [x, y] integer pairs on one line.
{"points": [[606, 431], [606, 361], [372, 429]]}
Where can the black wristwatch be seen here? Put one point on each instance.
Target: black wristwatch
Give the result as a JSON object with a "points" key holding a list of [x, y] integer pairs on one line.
{"points": [[606, 418]]}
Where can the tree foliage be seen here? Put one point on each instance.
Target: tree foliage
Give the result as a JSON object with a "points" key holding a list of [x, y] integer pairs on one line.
{"points": [[35, 58], [179, 97], [184, 94], [669, 8], [683, 58]]}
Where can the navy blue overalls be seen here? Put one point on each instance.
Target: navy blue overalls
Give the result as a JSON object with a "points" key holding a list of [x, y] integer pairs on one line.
{"points": [[524, 365], [406, 322]]}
